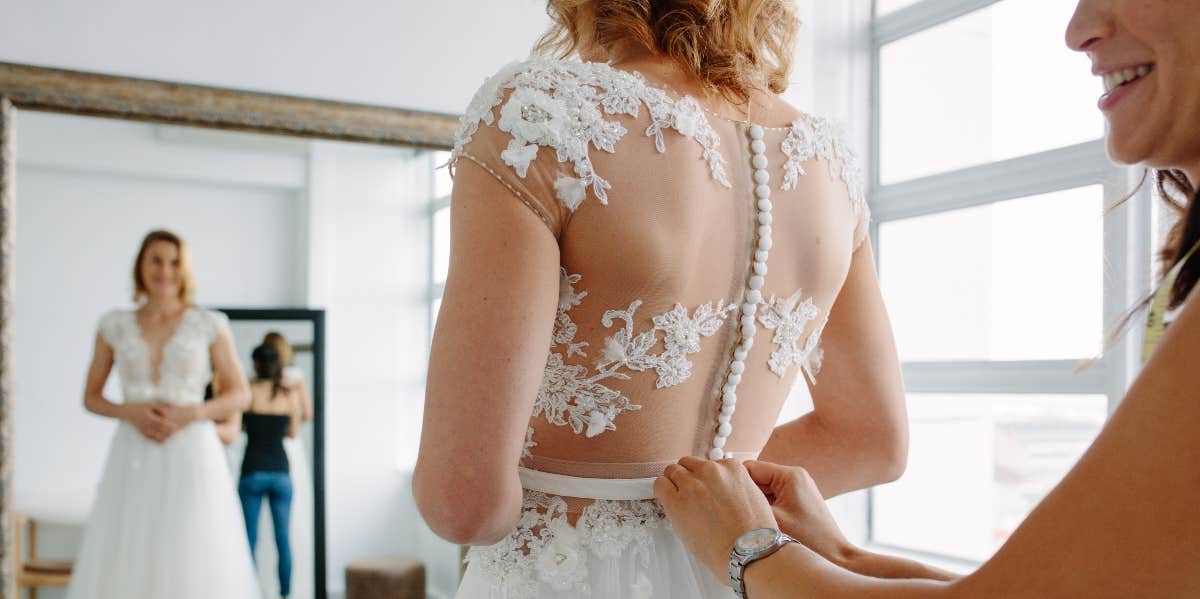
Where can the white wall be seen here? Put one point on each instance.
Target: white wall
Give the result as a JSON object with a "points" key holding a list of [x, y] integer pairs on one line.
{"points": [[370, 256], [404, 53]]}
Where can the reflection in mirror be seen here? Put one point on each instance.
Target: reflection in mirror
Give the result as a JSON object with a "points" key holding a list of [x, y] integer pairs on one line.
{"points": [[136, 489], [271, 447]]}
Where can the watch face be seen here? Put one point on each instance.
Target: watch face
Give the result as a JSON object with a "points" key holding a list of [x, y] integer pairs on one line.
{"points": [[756, 541]]}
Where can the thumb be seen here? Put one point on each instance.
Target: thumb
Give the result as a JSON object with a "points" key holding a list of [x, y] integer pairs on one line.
{"points": [[765, 473]]}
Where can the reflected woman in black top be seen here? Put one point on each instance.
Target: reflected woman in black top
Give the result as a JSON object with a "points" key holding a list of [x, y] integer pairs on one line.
{"points": [[275, 412]]}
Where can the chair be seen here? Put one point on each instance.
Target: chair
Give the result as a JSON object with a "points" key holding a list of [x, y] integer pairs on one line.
{"points": [[32, 572]]}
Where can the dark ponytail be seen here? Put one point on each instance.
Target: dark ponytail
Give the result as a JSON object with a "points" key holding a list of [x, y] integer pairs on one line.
{"points": [[1180, 195], [269, 366]]}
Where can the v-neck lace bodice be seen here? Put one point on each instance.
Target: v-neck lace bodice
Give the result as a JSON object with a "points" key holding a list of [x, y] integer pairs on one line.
{"points": [[184, 367]]}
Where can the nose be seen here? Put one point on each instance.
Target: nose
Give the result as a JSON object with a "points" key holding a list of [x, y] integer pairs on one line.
{"points": [[1089, 25]]}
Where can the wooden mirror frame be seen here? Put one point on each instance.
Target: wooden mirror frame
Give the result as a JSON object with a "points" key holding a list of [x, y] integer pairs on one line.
{"points": [[90, 94]]}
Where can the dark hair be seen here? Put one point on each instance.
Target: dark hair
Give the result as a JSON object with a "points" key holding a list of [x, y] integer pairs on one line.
{"points": [[1178, 193], [268, 366]]}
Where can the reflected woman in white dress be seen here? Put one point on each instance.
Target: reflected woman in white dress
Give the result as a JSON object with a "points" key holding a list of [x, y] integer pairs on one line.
{"points": [[166, 521]]}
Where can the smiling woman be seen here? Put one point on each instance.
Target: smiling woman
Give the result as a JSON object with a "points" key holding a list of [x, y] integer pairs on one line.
{"points": [[166, 440]]}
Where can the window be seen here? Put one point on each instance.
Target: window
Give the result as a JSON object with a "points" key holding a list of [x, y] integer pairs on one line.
{"points": [[439, 234], [1000, 269]]}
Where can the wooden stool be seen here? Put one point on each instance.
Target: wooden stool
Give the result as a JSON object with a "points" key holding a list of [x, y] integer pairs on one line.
{"points": [[385, 578], [33, 573]]}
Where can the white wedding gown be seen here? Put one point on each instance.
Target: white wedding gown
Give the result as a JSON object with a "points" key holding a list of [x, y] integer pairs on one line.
{"points": [[664, 216], [166, 523]]}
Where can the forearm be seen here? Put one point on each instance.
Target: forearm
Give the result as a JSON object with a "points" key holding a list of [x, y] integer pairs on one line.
{"points": [[98, 405], [795, 572], [878, 565], [839, 462], [224, 405]]}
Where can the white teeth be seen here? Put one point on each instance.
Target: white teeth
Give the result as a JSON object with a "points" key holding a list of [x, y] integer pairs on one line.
{"points": [[1116, 79]]}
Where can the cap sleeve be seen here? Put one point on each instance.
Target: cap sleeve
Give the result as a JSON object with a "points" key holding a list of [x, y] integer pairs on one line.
{"points": [[218, 324], [109, 327], [509, 132]]}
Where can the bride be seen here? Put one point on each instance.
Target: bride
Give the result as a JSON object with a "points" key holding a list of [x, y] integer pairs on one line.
{"points": [[649, 248], [165, 522]]}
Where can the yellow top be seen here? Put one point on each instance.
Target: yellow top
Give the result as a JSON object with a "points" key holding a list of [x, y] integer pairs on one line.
{"points": [[1156, 324]]}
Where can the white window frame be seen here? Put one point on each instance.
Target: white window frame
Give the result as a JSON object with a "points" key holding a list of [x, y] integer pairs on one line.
{"points": [[436, 203], [1126, 239]]}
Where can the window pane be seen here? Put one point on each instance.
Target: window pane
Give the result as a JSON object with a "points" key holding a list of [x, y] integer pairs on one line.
{"points": [[441, 244], [435, 307], [885, 6], [997, 83], [1015, 280], [442, 183], [978, 464]]}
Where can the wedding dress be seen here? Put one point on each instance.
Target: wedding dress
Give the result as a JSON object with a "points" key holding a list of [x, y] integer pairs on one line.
{"points": [[166, 521], [668, 219]]}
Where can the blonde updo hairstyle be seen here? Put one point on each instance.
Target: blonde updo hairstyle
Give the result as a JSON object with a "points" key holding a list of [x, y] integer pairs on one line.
{"points": [[731, 47]]}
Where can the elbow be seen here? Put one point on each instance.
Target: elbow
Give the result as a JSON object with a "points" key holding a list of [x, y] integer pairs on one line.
{"points": [[241, 401], [462, 511], [890, 453]]}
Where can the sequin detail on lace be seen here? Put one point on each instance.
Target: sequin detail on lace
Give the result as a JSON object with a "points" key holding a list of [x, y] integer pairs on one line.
{"points": [[546, 549], [571, 394], [562, 105]]}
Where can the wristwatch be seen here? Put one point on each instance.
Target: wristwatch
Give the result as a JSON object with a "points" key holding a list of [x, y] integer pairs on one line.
{"points": [[752, 546]]}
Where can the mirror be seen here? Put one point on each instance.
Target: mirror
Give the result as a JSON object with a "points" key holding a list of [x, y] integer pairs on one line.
{"points": [[302, 332], [260, 214]]}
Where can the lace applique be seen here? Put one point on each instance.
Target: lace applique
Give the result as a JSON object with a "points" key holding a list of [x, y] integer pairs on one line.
{"points": [[562, 105], [821, 139], [546, 549], [527, 449], [570, 395], [789, 318]]}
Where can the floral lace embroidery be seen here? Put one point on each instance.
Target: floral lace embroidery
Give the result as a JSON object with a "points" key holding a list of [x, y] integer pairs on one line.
{"points": [[789, 318], [820, 139], [527, 449], [570, 395], [562, 104], [546, 549]]}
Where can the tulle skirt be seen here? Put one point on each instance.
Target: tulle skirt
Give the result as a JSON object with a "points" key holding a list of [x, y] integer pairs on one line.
{"points": [[602, 538], [166, 523]]}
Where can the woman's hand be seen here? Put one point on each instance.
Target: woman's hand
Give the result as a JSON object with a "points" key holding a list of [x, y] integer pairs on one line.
{"points": [[800, 510], [711, 504], [151, 420], [180, 416]]}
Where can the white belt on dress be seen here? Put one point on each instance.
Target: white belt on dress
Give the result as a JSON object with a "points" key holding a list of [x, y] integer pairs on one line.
{"points": [[622, 489], [617, 489]]}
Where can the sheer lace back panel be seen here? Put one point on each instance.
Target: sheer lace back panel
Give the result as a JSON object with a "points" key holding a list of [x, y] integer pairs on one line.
{"points": [[657, 213]]}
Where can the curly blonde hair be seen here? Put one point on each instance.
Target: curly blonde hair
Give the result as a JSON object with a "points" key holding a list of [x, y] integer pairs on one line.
{"points": [[731, 47]]}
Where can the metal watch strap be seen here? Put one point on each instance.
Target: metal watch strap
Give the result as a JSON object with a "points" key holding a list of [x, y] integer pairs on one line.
{"points": [[737, 566]]}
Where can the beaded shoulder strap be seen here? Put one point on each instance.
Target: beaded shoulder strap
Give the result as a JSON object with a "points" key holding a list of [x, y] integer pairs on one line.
{"points": [[1156, 322]]}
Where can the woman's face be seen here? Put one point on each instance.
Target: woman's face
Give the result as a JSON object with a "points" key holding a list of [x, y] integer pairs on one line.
{"points": [[1148, 54], [161, 270]]}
